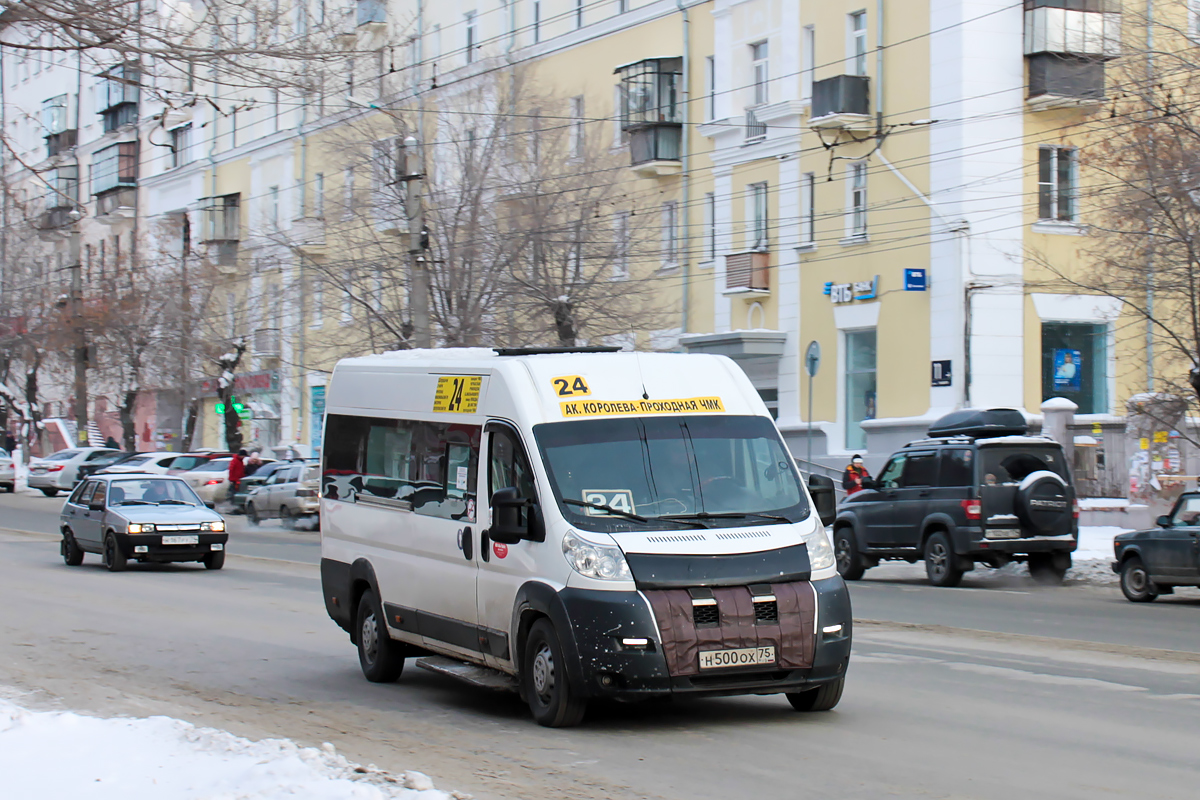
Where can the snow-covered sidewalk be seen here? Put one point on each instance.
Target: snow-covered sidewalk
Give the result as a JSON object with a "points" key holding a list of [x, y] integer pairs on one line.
{"points": [[60, 754]]}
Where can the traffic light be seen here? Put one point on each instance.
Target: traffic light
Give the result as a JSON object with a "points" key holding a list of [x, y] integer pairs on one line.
{"points": [[239, 408]]}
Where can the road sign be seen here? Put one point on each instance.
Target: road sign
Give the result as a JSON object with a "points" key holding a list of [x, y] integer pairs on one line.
{"points": [[812, 359], [915, 280]]}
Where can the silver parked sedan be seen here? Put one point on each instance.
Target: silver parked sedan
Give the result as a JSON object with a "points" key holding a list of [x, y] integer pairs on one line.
{"points": [[154, 518]]}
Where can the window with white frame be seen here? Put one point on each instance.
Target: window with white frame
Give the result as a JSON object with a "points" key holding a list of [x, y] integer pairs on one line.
{"points": [[317, 303], [377, 289], [1057, 168], [348, 192], [710, 87], [620, 270], [808, 61], [472, 36], [231, 312], [758, 231], [620, 135], [578, 14], [760, 73], [857, 178], [537, 21], [319, 195], [670, 233], [710, 227], [858, 43], [576, 127], [348, 298], [273, 208], [808, 188], [181, 145]]}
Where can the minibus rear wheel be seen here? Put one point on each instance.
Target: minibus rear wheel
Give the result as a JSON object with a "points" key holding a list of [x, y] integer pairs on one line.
{"points": [[554, 702], [382, 659]]}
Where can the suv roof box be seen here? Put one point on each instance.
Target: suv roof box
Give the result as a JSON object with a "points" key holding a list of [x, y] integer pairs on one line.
{"points": [[980, 423]]}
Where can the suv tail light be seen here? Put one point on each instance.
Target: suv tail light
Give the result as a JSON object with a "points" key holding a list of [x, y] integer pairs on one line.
{"points": [[306, 493], [972, 509], [1076, 509]]}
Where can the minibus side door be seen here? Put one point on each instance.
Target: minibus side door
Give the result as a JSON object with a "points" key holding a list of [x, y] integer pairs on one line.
{"points": [[504, 568]]}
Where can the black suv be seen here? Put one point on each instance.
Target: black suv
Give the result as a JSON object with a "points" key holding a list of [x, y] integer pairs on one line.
{"points": [[978, 490]]}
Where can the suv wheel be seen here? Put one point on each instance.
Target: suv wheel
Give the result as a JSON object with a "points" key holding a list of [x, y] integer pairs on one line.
{"points": [[940, 566], [845, 550], [286, 521], [823, 698], [1043, 570], [252, 514], [1135, 582]]}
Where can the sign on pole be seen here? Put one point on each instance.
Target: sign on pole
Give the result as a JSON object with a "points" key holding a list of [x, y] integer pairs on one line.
{"points": [[812, 363]]}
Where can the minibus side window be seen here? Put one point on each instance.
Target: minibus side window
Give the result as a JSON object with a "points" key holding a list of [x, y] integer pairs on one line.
{"points": [[509, 466]]}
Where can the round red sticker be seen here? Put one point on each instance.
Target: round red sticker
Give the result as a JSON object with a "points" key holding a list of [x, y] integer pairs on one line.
{"points": [[500, 549]]}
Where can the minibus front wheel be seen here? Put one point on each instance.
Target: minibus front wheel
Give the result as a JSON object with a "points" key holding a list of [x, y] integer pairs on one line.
{"points": [[554, 702], [381, 658]]}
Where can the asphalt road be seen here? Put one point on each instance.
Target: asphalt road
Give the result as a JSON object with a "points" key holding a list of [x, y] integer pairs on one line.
{"points": [[1043, 707]]}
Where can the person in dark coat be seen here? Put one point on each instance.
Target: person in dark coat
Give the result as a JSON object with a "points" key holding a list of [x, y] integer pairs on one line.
{"points": [[10, 442], [855, 478], [237, 471], [111, 443]]}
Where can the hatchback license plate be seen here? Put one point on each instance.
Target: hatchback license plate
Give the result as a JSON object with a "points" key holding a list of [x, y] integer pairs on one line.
{"points": [[181, 540], [744, 657], [1002, 533]]}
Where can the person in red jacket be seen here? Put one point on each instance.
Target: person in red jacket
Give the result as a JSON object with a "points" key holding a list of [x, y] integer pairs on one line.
{"points": [[237, 471], [856, 478]]}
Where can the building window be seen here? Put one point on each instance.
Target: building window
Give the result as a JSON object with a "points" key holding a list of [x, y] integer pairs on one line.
{"points": [[317, 310], [54, 115], [808, 56], [710, 87], [577, 137], [181, 146], [537, 21], [220, 218], [858, 199], [858, 43], [758, 230], [578, 14], [622, 6], [860, 385], [808, 187], [319, 195], [670, 228], [348, 298], [114, 167], [710, 227], [759, 72], [472, 34], [1075, 364], [348, 192], [620, 270], [117, 96], [620, 137], [273, 208], [1057, 167]]}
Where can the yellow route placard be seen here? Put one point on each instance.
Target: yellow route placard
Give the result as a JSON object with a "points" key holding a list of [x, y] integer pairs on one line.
{"points": [[457, 394], [612, 408]]}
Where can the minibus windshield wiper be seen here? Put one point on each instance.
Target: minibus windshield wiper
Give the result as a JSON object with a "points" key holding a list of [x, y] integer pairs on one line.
{"points": [[616, 512], [725, 515]]}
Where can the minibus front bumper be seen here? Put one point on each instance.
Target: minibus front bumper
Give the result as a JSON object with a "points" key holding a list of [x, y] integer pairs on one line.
{"points": [[621, 652]]}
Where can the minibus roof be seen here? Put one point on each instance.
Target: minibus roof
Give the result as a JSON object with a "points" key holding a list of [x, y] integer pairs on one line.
{"points": [[536, 386]]}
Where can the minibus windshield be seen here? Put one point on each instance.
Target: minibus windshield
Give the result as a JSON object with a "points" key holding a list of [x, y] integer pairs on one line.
{"points": [[721, 471]]}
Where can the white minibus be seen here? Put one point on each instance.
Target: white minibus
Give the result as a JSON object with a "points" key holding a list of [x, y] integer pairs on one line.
{"points": [[577, 524]]}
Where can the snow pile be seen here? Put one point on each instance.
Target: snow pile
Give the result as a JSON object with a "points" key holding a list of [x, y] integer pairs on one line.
{"points": [[62, 754]]}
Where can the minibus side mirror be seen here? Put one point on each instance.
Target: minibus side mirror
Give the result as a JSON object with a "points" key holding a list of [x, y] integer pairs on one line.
{"points": [[824, 498], [510, 516]]}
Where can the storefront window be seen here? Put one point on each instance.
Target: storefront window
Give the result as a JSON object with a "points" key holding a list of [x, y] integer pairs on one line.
{"points": [[860, 386], [1075, 364]]}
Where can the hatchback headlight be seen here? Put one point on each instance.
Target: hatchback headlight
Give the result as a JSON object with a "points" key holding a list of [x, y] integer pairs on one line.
{"points": [[144, 527], [820, 552], [603, 562], [213, 526]]}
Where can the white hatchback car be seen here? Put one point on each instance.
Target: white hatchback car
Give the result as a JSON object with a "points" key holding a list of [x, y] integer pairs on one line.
{"points": [[8, 471], [152, 463], [58, 472]]}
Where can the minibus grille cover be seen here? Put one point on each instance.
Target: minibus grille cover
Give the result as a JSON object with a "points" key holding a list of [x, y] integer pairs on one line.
{"points": [[792, 634]]}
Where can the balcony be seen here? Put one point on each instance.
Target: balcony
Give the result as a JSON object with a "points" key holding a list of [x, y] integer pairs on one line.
{"points": [[371, 15], [117, 96], [841, 103], [1066, 45], [756, 130], [60, 142], [266, 342], [747, 274], [651, 114], [114, 181], [221, 218]]}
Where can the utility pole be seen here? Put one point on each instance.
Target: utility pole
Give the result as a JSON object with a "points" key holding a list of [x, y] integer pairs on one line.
{"points": [[80, 335], [185, 294], [418, 245]]}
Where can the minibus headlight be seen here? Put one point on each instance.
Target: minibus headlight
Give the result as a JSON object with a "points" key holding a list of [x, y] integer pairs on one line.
{"points": [[820, 552], [603, 562]]}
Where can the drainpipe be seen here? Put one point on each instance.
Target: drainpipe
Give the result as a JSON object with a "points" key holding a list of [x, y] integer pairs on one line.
{"points": [[879, 68], [685, 161]]}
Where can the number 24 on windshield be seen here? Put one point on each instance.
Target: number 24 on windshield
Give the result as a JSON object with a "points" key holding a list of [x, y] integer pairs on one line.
{"points": [[570, 386]]}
